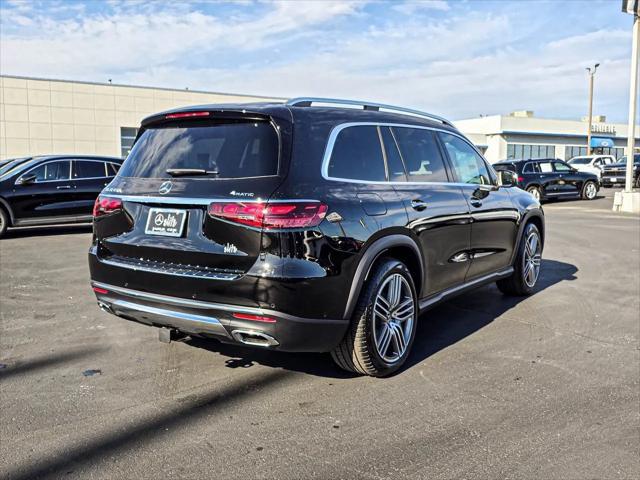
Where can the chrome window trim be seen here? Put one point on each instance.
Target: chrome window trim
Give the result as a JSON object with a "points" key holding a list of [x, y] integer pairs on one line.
{"points": [[324, 169], [45, 163]]}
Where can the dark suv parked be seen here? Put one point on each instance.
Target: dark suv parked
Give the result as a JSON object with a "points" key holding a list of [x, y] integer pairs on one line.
{"points": [[550, 178], [52, 189], [306, 227], [615, 174]]}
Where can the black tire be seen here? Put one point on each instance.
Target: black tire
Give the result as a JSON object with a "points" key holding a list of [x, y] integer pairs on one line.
{"points": [[535, 191], [637, 182], [516, 285], [4, 221], [358, 352], [589, 193]]}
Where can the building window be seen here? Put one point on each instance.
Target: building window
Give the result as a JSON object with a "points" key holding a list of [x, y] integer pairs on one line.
{"points": [[525, 151], [127, 137]]}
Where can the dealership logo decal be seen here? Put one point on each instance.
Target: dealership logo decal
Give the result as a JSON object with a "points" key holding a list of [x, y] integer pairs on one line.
{"points": [[165, 188]]}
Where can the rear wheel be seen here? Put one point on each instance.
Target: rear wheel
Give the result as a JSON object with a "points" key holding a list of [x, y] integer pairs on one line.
{"points": [[4, 221], [527, 265], [535, 191], [589, 190], [383, 324]]}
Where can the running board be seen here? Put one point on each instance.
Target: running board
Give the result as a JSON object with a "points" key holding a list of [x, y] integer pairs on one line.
{"points": [[429, 302]]}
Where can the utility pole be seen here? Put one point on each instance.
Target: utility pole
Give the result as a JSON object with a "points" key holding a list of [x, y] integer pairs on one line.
{"points": [[592, 73], [633, 100], [628, 200]]}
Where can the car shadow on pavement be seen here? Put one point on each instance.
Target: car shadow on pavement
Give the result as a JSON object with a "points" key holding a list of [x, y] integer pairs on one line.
{"points": [[22, 232], [25, 366], [438, 328]]}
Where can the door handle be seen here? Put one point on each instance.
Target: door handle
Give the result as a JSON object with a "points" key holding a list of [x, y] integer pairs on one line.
{"points": [[63, 187], [418, 204]]}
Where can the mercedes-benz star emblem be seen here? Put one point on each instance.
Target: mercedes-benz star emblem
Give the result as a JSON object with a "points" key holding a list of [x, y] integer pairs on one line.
{"points": [[165, 188]]}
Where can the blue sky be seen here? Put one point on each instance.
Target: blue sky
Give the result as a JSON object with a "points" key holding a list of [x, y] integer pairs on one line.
{"points": [[454, 57]]}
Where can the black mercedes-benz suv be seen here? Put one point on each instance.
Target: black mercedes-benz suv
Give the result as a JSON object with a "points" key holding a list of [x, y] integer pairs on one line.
{"points": [[311, 225], [550, 178], [52, 189]]}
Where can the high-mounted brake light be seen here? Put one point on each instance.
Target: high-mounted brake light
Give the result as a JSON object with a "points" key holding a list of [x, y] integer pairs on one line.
{"points": [[186, 115], [272, 216], [106, 206], [255, 318]]}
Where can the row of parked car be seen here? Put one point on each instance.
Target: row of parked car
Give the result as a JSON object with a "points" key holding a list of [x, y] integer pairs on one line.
{"points": [[61, 189], [609, 170]]}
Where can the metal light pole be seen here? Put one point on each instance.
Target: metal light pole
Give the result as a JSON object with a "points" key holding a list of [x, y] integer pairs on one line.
{"points": [[592, 73], [633, 100], [628, 200]]}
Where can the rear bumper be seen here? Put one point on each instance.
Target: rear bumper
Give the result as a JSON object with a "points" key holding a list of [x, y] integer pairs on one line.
{"points": [[284, 332]]}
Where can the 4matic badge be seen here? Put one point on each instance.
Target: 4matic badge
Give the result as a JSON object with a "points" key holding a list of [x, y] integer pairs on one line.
{"points": [[241, 194]]}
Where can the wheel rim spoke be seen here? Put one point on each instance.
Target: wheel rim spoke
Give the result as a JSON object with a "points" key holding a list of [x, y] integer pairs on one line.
{"points": [[393, 315], [531, 260], [384, 340]]}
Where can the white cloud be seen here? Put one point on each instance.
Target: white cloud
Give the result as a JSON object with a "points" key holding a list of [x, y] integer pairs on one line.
{"points": [[411, 7], [459, 66]]}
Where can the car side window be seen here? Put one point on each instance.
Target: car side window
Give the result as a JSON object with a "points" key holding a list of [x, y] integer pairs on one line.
{"points": [[530, 168], [561, 167], [545, 167], [112, 169], [88, 169], [468, 165], [421, 155], [357, 155], [598, 163], [51, 171], [395, 167]]}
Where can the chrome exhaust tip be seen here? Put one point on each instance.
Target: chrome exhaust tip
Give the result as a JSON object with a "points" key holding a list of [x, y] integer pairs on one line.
{"points": [[254, 338], [105, 307]]}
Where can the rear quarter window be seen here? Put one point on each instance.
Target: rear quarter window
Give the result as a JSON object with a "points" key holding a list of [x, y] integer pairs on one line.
{"points": [[357, 155], [223, 150]]}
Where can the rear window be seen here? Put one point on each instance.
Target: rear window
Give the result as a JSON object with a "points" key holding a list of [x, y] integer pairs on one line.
{"points": [[228, 150]]}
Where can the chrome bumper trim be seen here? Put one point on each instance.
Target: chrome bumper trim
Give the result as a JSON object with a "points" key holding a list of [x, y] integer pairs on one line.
{"points": [[169, 269]]}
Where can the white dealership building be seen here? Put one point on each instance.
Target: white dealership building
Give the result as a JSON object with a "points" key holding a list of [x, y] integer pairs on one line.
{"points": [[523, 135], [45, 116]]}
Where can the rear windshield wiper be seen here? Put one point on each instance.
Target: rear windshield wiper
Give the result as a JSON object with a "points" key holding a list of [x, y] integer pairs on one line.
{"points": [[190, 172]]}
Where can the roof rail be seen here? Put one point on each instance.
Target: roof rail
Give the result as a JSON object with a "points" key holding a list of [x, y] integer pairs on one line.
{"points": [[308, 101]]}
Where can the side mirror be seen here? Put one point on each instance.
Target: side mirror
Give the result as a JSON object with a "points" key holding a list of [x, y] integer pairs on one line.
{"points": [[507, 178], [27, 179]]}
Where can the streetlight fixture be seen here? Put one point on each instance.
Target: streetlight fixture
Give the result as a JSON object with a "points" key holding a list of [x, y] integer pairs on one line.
{"points": [[592, 73]]}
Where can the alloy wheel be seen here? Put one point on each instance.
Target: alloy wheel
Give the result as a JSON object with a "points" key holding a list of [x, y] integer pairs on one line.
{"points": [[531, 259], [535, 192], [591, 190], [393, 317]]}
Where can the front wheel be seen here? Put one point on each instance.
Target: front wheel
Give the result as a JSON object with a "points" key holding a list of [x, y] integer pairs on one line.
{"points": [[535, 191], [4, 222], [383, 324], [527, 265], [589, 190]]}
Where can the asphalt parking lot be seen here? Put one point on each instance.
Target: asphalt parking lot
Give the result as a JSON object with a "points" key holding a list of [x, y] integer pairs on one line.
{"points": [[542, 387]]}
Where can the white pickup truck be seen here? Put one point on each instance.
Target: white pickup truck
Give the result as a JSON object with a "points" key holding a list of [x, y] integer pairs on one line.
{"points": [[592, 163]]}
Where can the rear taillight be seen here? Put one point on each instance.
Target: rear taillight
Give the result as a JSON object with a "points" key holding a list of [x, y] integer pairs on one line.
{"points": [[520, 179], [106, 205], [271, 216]]}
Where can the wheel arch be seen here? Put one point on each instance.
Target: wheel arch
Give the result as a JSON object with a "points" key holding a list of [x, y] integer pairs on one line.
{"points": [[535, 216], [398, 246], [5, 205]]}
